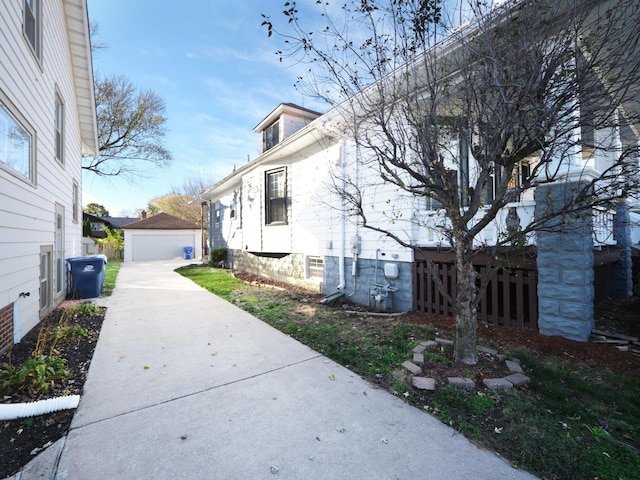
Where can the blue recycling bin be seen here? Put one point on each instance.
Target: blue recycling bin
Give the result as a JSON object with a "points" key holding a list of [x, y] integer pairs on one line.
{"points": [[87, 275], [188, 253]]}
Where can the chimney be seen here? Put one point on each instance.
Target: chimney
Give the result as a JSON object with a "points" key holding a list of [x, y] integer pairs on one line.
{"points": [[143, 214]]}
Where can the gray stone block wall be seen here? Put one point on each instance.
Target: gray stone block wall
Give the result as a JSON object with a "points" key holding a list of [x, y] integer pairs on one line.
{"points": [[289, 268], [358, 289], [622, 276], [565, 268]]}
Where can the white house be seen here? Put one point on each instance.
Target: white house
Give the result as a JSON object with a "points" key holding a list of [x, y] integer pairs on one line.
{"points": [[47, 123], [282, 216]]}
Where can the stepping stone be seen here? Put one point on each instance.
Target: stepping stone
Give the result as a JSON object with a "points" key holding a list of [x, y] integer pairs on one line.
{"points": [[444, 341], [488, 350], [424, 383], [460, 382], [419, 348], [514, 367], [518, 379], [418, 359], [429, 344], [497, 383], [412, 367]]}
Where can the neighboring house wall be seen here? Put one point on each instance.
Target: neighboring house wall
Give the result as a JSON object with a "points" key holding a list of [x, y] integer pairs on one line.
{"points": [[43, 94]]}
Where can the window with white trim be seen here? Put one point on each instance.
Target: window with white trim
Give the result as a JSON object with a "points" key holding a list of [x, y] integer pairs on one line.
{"points": [[59, 129], [276, 197], [315, 267], [16, 142], [32, 25]]}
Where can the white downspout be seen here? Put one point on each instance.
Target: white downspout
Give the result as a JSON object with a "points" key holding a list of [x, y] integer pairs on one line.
{"points": [[343, 223]]}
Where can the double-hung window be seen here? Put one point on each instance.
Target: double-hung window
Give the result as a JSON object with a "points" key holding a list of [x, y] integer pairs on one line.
{"points": [[32, 25], [59, 129], [276, 197], [16, 143]]}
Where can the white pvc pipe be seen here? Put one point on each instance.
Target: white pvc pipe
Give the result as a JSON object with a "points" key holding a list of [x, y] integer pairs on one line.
{"points": [[13, 411]]}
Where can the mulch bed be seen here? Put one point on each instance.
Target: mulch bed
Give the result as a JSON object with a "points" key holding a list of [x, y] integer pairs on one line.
{"points": [[21, 440]]}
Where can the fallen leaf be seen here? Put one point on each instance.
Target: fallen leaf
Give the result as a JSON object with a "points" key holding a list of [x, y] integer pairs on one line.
{"points": [[147, 367]]}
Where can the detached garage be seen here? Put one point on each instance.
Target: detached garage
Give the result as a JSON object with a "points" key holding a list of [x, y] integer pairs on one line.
{"points": [[160, 237]]}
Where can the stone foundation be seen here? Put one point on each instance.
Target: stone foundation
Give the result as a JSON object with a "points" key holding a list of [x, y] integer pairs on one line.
{"points": [[289, 268]]}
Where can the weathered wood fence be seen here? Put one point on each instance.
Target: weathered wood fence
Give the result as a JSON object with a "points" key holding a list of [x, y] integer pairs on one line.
{"points": [[510, 299]]}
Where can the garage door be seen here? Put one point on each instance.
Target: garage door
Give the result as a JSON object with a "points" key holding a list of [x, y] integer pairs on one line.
{"points": [[160, 247]]}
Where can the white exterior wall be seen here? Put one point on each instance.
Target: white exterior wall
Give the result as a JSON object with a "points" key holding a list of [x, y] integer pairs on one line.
{"points": [[27, 210], [291, 124]]}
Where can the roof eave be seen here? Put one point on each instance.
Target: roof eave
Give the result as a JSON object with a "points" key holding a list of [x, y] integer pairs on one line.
{"points": [[77, 21]]}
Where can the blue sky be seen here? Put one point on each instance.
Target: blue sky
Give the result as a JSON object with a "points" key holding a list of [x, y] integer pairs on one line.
{"points": [[217, 72]]}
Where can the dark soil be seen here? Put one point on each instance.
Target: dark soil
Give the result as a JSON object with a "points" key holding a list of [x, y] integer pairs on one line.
{"points": [[21, 440]]}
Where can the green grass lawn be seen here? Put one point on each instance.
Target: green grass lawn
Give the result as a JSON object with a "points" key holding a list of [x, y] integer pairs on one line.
{"points": [[571, 422], [110, 275]]}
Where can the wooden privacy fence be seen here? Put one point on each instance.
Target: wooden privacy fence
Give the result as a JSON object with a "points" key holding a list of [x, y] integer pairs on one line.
{"points": [[510, 299]]}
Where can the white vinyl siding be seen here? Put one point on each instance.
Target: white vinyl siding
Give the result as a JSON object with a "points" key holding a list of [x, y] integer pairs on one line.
{"points": [[28, 207]]}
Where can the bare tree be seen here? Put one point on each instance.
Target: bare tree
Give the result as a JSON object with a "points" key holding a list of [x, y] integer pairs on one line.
{"points": [[470, 107], [131, 124], [131, 129]]}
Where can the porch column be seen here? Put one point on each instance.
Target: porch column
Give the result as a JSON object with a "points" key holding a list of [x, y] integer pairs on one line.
{"points": [[622, 276], [565, 265]]}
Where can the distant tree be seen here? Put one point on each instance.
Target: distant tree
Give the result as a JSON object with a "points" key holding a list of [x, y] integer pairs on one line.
{"points": [[96, 209], [193, 185], [176, 204]]}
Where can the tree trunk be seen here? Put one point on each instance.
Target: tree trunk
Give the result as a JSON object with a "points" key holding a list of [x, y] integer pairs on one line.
{"points": [[466, 351]]}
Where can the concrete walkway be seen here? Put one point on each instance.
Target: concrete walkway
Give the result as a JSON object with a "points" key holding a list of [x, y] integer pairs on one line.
{"points": [[184, 385]]}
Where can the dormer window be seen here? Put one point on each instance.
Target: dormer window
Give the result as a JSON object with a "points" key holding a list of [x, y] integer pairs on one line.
{"points": [[271, 136]]}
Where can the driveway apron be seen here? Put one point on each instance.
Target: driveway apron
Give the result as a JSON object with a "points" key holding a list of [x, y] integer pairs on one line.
{"points": [[184, 385]]}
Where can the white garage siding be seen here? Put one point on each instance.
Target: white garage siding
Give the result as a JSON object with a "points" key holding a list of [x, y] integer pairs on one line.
{"points": [[160, 247]]}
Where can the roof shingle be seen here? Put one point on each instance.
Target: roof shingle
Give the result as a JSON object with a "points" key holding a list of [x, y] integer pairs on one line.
{"points": [[162, 221]]}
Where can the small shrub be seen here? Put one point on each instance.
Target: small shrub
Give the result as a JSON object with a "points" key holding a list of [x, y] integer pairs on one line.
{"points": [[217, 256], [34, 375]]}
